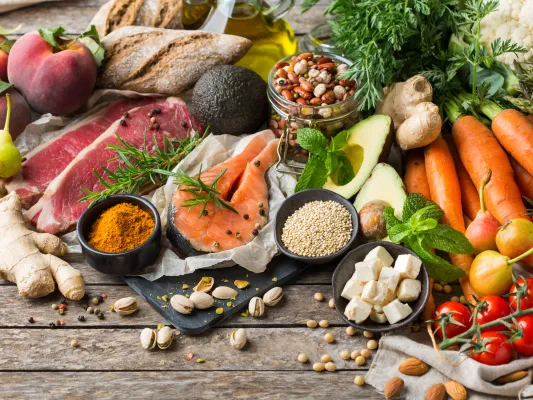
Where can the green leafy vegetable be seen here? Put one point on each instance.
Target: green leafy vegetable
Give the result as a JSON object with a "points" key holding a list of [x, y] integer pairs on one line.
{"points": [[421, 231]]}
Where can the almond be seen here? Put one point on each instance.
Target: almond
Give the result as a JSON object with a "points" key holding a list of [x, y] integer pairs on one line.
{"points": [[393, 388], [413, 366], [436, 392], [456, 391], [512, 377]]}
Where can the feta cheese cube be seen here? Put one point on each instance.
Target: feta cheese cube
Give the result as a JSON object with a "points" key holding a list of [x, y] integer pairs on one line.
{"points": [[368, 270], [391, 277], [375, 292], [378, 316], [378, 308], [357, 310], [396, 311], [408, 266], [409, 290], [382, 255], [352, 288]]}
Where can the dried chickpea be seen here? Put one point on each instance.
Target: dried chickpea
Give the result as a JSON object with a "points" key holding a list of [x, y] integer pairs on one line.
{"points": [[345, 354], [312, 323], [329, 338], [365, 353], [302, 357], [437, 287], [372, 345], [325, 358], [462, 299], [350, 331], [368, 334], [359, 380], [318, 367], [324, 323], [355, 354], [454, 298], [331, 303], [360, 360], [331, 366], [447, 289], [319, 297]]}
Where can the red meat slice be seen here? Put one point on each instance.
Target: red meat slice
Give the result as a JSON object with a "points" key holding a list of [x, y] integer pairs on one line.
{"points": [[59, 209], [48, 160]]}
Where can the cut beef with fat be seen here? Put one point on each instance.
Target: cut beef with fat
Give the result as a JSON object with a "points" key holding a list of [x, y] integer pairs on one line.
{"points": [[48, 160], [59, 209]]}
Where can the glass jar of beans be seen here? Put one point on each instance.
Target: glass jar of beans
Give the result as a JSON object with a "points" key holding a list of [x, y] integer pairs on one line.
{"points": [[305, 90]]}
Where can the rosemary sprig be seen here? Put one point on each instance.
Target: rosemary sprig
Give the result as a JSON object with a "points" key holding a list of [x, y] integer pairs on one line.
{"points": [[141, 167], [202, 192]]}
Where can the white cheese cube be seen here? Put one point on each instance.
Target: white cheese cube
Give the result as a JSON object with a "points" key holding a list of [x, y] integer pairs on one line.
{"points": [[375, 292], [357, 310], [408, 266], [396, 311], [409, 290], [368, 270], [378, 316], [377, 308], [352, 288], [391, 277], [391, 296], [382, 255]]}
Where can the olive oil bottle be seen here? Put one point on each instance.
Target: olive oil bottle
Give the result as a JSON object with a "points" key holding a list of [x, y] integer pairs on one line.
{"points": [[272, 37]]}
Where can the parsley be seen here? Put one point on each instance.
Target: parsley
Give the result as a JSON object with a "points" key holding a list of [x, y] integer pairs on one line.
{"points": [[420, 230], [324, 159]]}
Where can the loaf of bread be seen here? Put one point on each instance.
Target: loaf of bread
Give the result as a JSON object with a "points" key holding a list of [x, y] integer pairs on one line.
{"points": [[155, 13], [152, 60]]}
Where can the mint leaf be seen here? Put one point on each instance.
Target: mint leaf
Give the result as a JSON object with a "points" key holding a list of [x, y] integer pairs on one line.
{"points": [[339, 141], [50, 35], [312, 175], [437, 267], [415, 202], [445, 238], [313, 141], [398, 233], [4, 86], [426, 225], [390, 218], [332, 163], [345, 172]]}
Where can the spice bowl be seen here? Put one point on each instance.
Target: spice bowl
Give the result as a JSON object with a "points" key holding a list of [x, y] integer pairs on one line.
{"points": [[296, 201], [346, 269], [126, 262]]}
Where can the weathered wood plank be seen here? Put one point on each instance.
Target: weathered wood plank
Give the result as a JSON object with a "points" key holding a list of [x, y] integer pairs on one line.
{"points": [[210, 385], [120, 349]]}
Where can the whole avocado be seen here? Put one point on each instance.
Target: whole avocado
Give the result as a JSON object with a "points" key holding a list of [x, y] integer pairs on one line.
{"points": [[230, 100]]}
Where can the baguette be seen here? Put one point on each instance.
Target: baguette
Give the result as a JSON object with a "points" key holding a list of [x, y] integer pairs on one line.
{"points": [[152, 60], [152, 13]]}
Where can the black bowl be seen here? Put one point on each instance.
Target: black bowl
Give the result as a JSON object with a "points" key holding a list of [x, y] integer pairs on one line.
{"points": [[346, 269], [127, 262], [297, 200]]}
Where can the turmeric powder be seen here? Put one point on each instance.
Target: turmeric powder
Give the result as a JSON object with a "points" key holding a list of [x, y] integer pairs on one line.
{"points": [[121, 228]]}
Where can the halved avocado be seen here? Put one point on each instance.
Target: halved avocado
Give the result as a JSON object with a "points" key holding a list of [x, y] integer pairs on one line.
{"points": [[383, 184], [369, 142]]}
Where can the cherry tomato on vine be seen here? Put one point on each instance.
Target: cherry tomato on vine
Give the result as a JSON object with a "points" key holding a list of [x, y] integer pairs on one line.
{"points": [[527, 301], [496, 307], [460, 314], [498, 349], [525, 345]]}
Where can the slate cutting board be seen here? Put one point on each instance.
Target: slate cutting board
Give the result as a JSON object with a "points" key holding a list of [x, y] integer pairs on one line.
{"points": [[280, 271]]}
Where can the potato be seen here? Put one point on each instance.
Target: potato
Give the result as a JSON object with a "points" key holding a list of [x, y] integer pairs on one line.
{"points": [[372, 223]]}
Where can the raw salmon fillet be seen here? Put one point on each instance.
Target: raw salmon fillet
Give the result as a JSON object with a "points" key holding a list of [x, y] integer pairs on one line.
{"points": [[242, 186]]}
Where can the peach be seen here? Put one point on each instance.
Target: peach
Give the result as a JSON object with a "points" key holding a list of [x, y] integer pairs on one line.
{"points": [[52, 79], [20, 112]]}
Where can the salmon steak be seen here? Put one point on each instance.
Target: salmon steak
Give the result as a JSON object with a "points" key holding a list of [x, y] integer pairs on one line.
{"points": [[242, 186]]}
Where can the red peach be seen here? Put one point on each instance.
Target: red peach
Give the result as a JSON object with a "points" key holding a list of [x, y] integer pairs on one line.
{"points": [[20, 112]]}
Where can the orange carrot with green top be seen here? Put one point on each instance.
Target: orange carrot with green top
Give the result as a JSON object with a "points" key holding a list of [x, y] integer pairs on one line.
{"points": [[415, 178], [523, 179]]}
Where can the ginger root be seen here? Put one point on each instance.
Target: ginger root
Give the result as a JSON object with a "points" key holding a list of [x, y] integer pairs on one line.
{"points": [[416, 119], [30, 259]]}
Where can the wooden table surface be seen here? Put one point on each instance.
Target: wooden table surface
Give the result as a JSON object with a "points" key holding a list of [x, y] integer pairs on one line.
{"points": [[39, 362]]}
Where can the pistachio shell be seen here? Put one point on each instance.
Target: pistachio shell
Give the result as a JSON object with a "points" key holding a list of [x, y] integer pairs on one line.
{"points": [[273, 296], [181, 304], [256, 307], [125, 306], [238, 338], [224, 293], [205, 284], [201, 300], [148, 338], [165, 336]]}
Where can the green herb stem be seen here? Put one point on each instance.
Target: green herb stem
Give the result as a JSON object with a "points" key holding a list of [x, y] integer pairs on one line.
{"points": [[490, 109], [520, 257]]}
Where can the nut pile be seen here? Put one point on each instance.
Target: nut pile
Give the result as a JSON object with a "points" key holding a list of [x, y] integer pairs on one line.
{"points": [[318, 228]]}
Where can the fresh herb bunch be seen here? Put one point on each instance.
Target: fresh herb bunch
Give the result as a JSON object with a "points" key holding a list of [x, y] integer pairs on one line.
{"points": [[202, 192], [420, 230], [324, 159], [141, 167]]}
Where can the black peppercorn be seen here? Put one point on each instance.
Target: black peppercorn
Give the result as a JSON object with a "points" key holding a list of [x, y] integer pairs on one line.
{"points": [[228, 232], [151, 127], [81, 318], [157, 126], [257, 163], [123, 122], [100, 298], [156, 111], [184, 124], [150, 114], [255, 232], [52, 325], [101, 316], [126, 114], [31, 320], [246, 216], [262, 212]]}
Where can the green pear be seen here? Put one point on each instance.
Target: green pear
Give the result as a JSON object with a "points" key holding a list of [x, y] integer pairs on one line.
{"points": [[10, 158]]}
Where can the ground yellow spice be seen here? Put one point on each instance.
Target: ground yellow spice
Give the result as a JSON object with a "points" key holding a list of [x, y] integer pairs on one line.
{"points": [[121, 228]]}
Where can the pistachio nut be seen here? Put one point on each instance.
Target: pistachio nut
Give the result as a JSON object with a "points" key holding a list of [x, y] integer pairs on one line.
{"points": [[224, 293], [256, 307], [238, 338], [205, 284], [181, 304], [148, 338], [202, 300], [273, 296], [241, 284], [165, 336], [125, 306]]}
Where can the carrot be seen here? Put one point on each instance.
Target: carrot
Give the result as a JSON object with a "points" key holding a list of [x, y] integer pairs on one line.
{"points": [[446, 192], [523, 179], [469, 194], [480, 151], [530, 118], [415, 174]]}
